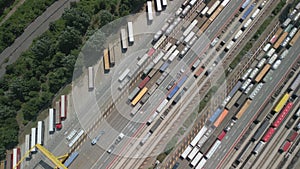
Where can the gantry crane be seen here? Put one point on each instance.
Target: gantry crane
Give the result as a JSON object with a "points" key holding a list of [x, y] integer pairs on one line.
{"points": [[58, 161]]}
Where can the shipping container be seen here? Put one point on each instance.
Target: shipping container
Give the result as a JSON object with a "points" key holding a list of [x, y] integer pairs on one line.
{"points": [[292, 136], [196, 159], [221, 118], [162, 105], [185, 10], [27, 145], [198, 72], [33, 140], [268, 76], [248, 22], [190, 27], [237, 35], [202, 140], [216, 114], [186, 152], [123, 75], [130, 32], [112, 58], [262, 73], [124, 39], [16, 158], [71, 134], [152, 118], [213, 149], [213, 8], [63, 106], [57, 116], [281, 103], [196, 64], [243, 109], [233, 100], [281, 117], [135, 109], [245, 84], [189, 37], [280, 40], [295, 38], [139, 96], [142, 60], [261, 63], [51, 120], [40, 133], [144, 82], [228, 47], [222, 135], [164, 3], [159, 42], [245, 4], [91, 78], [145, 98], [256, 91], [169, 52], [285, 146], [246, 74], [193, 153], [150, 11], [276, 64], [261, 130], [286, 22], [201, 164], [245, 15], [203, 12], [76, 138], [267, 136], [295, 83], [173, 92], [173, 55], [198, 136], [144, 139], [164, 67], [158, 5], [253, 73], [71, 159], [255, 13], [158, 57], [258, 147], [105, 60], [133, 93]]}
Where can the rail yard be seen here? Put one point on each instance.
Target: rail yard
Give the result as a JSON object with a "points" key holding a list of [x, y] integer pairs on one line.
{"points": [[148, 101]]}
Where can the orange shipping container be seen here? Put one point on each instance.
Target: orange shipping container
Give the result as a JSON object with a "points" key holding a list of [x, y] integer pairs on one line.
{"points": [[243, 109], [262, 73], [221, 118]]}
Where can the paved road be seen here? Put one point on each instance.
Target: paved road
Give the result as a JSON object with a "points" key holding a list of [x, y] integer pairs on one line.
{"points": [[35, 29], [232, 135]]}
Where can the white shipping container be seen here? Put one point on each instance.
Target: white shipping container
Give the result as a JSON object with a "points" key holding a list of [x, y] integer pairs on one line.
{"points": [[158, 5], [136, 109], [142, 60], [203, 12], [248, 89], [196, 64], [143, 141], [190, 27], [150, 11], [164, 2], [186, 10], [256, 91], [224, 3], [202, 140], [168, 45], [196, 159], [193, 153], [237, 35], [73, 141], [152, 117], [40, 132], [193, 40], [33, 139], [158, 57], [130, 32], [51, 120], [261, 63], [124, 39], [27, 144], [247, 23], [158, 43], [189, 37], [186, 152], [213, 8], [173, 55], [91, 77], [198, 136], [253, 73], [255, 13], [293, 32], [16, 158], [267, 47], [276, 64], [284, 54], [270, 52], [71, 135], [63, 106], [246, 84], [213, 149], [123, 75], [272, 59], [169, 52], [162, 105], [229, 45], [201, 164], [192, 2], [178, 12]]}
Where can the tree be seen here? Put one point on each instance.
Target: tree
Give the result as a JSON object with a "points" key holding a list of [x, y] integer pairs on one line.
{"points": [[76, 18], [69, 40], [105, 17]]}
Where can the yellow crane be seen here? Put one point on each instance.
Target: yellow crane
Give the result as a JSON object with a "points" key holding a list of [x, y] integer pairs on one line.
{"points": [[58, 161]]}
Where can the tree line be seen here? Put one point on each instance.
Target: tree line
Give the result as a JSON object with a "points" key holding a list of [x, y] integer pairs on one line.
{"points": [[30, 83]]}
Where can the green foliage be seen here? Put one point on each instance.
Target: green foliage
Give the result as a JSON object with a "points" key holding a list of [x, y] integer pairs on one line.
{"points": [[15, 25], [39, 73], [5, 4]]}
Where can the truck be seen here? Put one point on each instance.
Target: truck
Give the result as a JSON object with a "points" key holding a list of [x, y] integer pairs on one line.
{"points": [[91, 78], [186, 152], [196, 159], [124, 74], [27, 145], [63, 107], [33, 140], [130, 32], [16, 158], [40, 133], [150, 11], [193, 153], [124, 39], [51, 120], [71, 159], [57, 117], [198, 136]]}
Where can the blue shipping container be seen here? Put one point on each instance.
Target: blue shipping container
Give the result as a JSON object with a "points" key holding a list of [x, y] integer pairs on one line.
{"points": [[164, 66], [182, 80], [235, 88], [245, 4], [172, 93], [71, 158], [215, 115], [249, 10]]}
